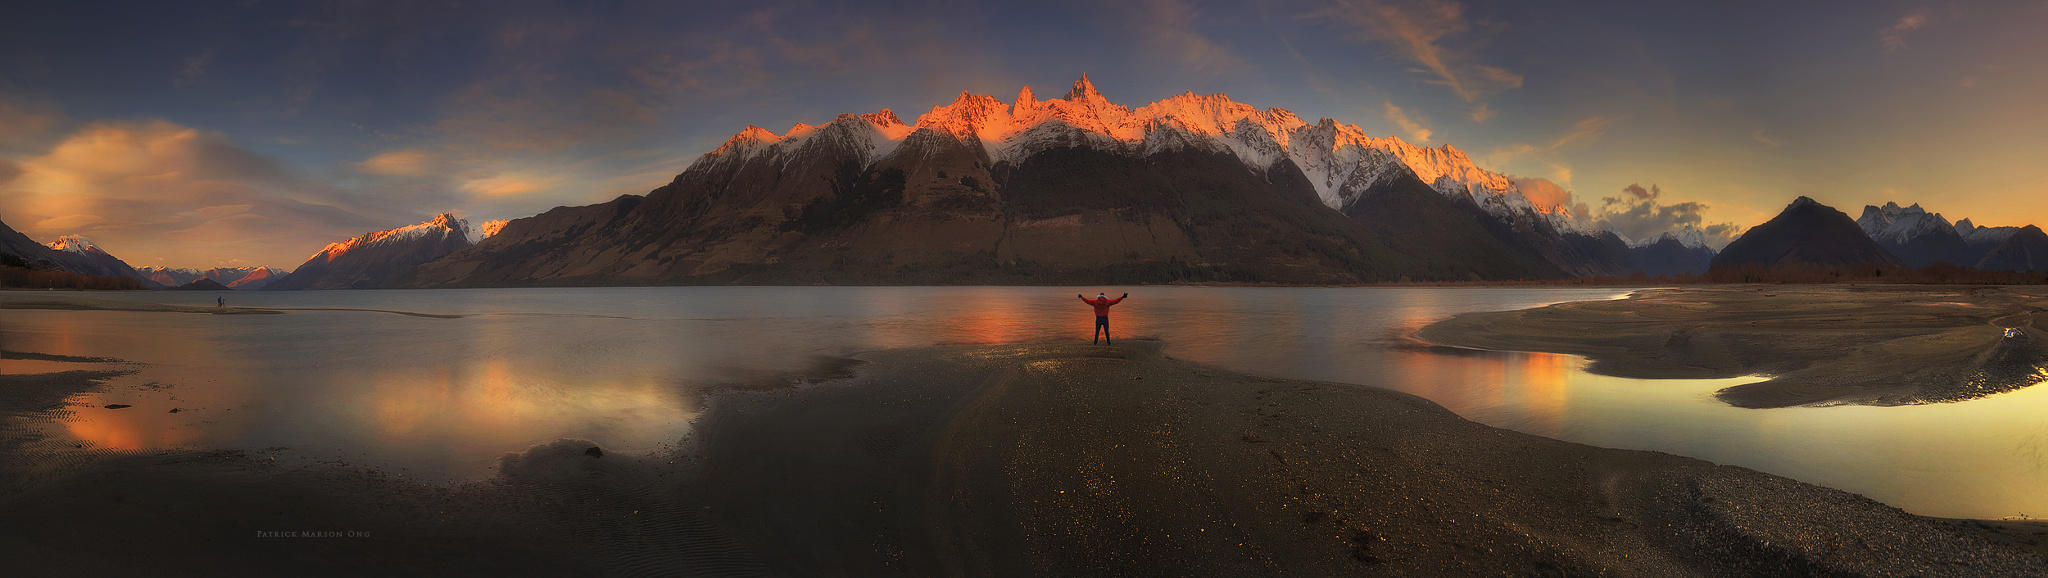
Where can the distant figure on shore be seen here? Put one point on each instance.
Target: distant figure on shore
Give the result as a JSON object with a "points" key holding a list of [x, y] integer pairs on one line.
{"points": [[220, 302], [1102, 303]]}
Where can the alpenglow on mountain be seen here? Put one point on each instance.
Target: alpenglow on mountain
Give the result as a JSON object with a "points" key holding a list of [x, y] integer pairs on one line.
{"points": [[381, 258], [1070, 189]]}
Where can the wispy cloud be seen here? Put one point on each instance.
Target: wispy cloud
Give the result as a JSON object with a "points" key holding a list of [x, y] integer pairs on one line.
{"points": [[187, 196], [398, 163], [1586, 130], [508, 185], [1416, 127], [192, 69], [1765, 138], [1172, 32], [1894, 36], [1436, 36]]}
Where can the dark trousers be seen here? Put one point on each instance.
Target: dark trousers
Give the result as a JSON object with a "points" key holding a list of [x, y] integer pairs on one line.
{"points": [[1102, 328]]}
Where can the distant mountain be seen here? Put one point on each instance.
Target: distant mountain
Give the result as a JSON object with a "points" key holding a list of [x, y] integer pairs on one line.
{"points": [[2026, 249], [1073, 189], [79, 255], [1671, 256], [1983, 237], [77, 264], [202, 284], [233, 277], [1806, 235], [381, 258], [1917, 237], [2002, 248], [255, 278]]}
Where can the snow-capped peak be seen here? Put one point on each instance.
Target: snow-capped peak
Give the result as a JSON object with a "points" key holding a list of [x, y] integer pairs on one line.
{"points": [[1894, 224], [1689, 236], [76, 244], [1975, 234], [440, 226], [1331, 154]]}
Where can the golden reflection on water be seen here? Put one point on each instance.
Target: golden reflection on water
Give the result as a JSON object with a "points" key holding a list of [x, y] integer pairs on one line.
{"points": [[449, 402], [454, 394], [122, 430]]}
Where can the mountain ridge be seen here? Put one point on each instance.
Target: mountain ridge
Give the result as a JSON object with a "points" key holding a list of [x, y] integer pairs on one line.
{"points": [[966, 188]]}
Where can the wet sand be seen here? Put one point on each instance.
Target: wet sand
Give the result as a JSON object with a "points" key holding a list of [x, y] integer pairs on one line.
{"points": [[1821, 344], [68, 303], [1055, 459]]}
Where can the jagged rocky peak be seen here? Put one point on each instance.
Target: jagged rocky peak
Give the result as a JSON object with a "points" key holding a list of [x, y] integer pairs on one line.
{"points": [[884, 117], [1896, 225], [1329, 153], [1084, 90]]}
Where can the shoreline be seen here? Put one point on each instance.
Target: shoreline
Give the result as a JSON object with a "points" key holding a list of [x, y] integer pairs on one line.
{"points": [[1057, 458], [1815, 345]]}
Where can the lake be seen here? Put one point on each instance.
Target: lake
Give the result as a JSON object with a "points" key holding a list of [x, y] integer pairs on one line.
{"points": [[442, 398]]}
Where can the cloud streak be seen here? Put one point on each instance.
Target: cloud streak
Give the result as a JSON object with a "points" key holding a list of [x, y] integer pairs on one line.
{"points": [[1894, 37], [1171, 31], [1436, 36], [1415, 127]]}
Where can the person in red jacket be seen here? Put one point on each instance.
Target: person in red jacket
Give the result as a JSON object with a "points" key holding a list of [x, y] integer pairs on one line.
{"points": [[1102, 303]]}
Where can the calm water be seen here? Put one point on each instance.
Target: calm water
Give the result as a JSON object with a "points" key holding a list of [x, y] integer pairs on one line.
{"points": [[442, 398]]}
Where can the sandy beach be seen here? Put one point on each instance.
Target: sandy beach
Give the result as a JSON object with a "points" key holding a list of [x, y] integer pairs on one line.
{"points": [[1055, 459], [1818, 344]]}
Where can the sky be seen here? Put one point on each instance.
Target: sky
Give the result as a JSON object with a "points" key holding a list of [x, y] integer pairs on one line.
{"points": [[198, 134]]}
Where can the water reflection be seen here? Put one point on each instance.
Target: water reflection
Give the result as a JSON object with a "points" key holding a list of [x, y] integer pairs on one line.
{"points": [[444, 397]]}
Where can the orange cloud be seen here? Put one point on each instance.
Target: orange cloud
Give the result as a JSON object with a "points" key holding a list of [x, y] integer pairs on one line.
{"points": [[1409, 124], [185, 196], [1544, 193], [399, 163], [507, 185]]}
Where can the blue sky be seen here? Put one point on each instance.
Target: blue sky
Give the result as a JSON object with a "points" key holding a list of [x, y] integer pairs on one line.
{"points": [[201, 134]]}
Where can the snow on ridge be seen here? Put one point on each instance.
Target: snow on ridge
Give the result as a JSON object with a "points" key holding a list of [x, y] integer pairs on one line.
{"points": [[441, 225], [76, 244], [1898, 225], [1328, 152]]}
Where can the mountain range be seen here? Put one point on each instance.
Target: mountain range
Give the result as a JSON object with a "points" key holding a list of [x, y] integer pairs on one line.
{"points": [[1078, 189], [1073, 189], [1920, 238], [382, 258], [1806, 235], [244, 278]]}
